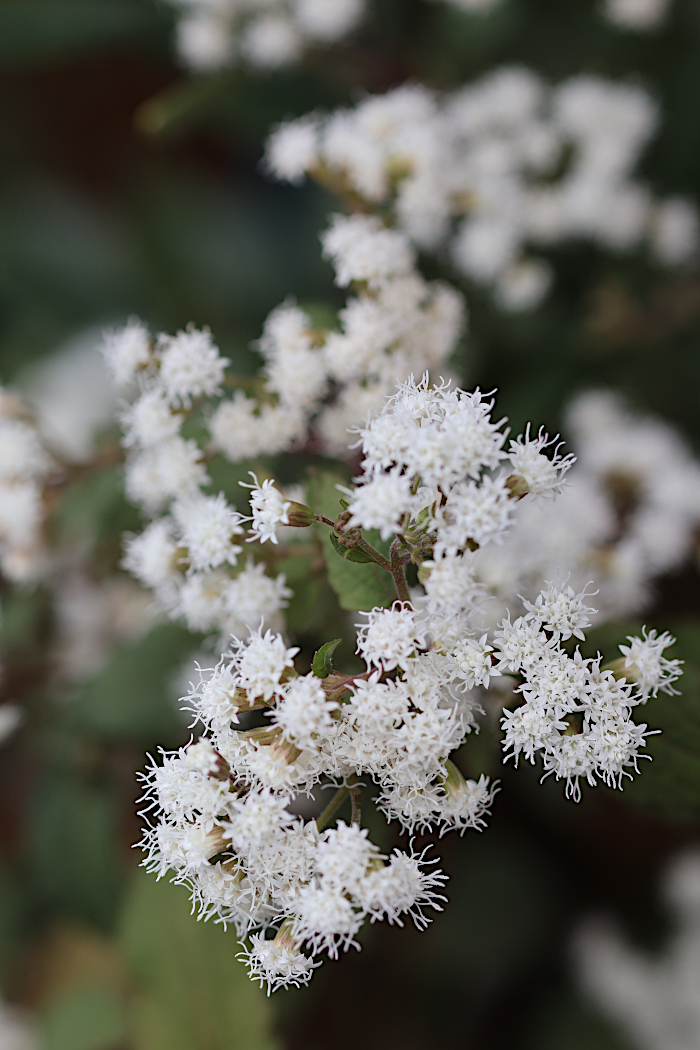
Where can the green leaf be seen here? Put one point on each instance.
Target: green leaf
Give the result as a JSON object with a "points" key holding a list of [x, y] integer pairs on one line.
{"points": [[193, 992], [357, 586], [75, 822], [87, 1018], [349, 553], [670, 783], [323, 660], [132, 698], [35, 30]]}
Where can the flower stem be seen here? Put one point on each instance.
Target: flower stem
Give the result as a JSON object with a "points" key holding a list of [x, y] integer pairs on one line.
{"points": [[324, 818], [396, 568]]}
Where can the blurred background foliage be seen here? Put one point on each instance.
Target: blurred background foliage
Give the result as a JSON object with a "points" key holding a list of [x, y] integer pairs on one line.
{"points": [[130, 187]]}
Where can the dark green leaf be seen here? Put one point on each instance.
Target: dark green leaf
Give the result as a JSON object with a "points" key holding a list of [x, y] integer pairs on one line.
{"points": [[133, 698], [193, 993], [88, 1018], [349, 553], [323, 660]]}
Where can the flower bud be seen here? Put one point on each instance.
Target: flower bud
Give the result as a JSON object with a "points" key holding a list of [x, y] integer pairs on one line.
{"points": [[299, 515]]}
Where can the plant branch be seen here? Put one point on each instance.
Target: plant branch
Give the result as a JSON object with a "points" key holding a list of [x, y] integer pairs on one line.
{"points": [[396, 568]]}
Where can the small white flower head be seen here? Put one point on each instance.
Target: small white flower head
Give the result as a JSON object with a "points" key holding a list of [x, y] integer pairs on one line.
{"points": [[277, 963], [216, 700], [450, 582], [362, 249], [381, 502], [151, 556], [402, 887], [292, 149], [466, 802], [325, 919], [269, 507], [646, 665], [199, 601], [390, 636], [260, 663], [257, 818], [474, 663], [303, 712], [344, 856], [190, 366], [521, 644], [533, 471], [475, 512], [253, 596], [207, 526], [158, 475], [149, 421], [639, 16], [22, 456], [562, 612], [127, 351]]}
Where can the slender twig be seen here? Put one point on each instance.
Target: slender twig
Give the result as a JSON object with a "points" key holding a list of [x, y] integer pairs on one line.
{"points": [[396, 568], [356, 803], [336, 802], [374, 554]]}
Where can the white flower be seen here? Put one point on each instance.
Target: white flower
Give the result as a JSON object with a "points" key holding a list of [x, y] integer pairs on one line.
{"points": [[541, 475], [560, 610], [637, 15], [277, 962], [269, 509], [251, 597], [450, 582], [389, 637], [303, 711], [151, 556], [344, 856], [261, 661], [361, 249], [190, 366], [207, 526], [381, 503], [127, 351], [645, 665], [171, 470], [292, 150], [325, 919], [402, 887], [149, 420], [22, 455], [478, 512], [474, 661]]}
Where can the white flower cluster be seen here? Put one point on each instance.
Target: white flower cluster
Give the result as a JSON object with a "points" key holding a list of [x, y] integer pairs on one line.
{"points": [[268, 34], [500, 170], [576, 714], [654, 998], [190, 556], [433, 468], [639, 16], [25, 466], [223, 809], [396, 323], [630, 514]]}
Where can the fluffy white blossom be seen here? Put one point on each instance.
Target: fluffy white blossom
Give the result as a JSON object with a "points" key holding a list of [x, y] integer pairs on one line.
{"points": [[637, 15], [223, 814], [190, 366], [269, 507], [482, 170]]}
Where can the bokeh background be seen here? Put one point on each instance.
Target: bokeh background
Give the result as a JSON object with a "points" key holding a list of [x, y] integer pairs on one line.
{"points": [[129, 186]]}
